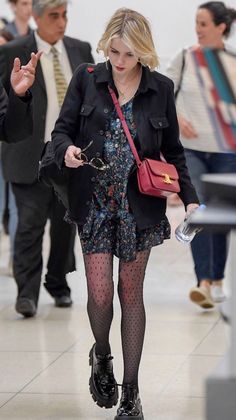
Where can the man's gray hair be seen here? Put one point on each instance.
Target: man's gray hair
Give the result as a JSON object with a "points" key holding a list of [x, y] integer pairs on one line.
{"points": [[40, 5]]}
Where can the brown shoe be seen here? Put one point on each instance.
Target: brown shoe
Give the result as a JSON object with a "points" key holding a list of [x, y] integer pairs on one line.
{"points": [[202, 297]]}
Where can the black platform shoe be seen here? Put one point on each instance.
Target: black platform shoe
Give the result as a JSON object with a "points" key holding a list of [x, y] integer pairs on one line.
{"points": [[102, 383], [130, 404]]}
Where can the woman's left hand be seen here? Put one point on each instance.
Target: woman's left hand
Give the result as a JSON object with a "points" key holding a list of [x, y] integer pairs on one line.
{"points": [[190, 208], [22, 77]]}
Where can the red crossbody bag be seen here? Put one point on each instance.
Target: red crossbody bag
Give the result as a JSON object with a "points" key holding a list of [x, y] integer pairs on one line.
{"points": [[156, 178]]}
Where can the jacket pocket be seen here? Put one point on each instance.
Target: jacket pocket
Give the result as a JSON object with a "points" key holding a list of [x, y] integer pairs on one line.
{"points": [[85, 124], [86, 110], [159, 123]]}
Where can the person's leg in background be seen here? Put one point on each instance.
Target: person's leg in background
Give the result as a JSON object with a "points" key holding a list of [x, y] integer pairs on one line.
{"points": [[202, 244], [220, 163], [61, 259], [12, 211], [12, 225], [12, 215], [5, 213], [32, 204], [209, 250], [219, 252]]}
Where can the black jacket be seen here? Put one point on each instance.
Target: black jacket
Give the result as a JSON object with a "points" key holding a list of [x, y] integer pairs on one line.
{"points": [[83, 117], [26, 154], [15, 116]]}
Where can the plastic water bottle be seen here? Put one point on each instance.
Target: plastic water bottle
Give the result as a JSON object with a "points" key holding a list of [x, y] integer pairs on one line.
{"points": [[184, 232]]}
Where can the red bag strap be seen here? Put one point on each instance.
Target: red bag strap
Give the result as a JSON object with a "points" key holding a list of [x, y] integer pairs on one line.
{"points": [[124, 125]]}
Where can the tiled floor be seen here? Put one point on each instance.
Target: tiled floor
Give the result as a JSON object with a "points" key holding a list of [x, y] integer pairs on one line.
{"points": [[44, 361]]}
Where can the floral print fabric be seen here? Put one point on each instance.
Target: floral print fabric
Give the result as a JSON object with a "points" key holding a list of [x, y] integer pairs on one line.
{"points": [[110, 227]]}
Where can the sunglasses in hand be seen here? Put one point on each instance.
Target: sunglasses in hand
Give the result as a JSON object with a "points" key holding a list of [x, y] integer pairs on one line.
{"points": [[95, 162]]}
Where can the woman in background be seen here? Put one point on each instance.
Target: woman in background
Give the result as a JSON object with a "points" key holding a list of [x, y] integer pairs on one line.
{"points": [[22, 10], [209, 250]]}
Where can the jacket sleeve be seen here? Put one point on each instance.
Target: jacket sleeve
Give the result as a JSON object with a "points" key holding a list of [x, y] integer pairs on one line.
{"points": [[16, 121], [67, 124], [5, 67], [173, 151], [3, 110]]}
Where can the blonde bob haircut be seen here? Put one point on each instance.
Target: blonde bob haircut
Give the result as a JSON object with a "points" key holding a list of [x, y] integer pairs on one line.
{"points": [[135, 32]]}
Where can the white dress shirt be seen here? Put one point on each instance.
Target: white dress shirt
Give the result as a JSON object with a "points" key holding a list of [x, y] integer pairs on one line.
{"points": [[46, 62]]}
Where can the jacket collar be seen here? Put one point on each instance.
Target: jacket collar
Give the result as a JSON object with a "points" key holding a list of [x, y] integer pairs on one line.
{"points": [[103, 74]]}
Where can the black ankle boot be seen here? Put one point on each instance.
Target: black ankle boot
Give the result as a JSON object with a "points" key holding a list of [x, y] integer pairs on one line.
{"points": [[102, 383], [130, 404]]}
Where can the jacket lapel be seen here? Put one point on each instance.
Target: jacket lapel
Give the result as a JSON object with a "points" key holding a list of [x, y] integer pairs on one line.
{"points": [[31, 46], [72, 54]]}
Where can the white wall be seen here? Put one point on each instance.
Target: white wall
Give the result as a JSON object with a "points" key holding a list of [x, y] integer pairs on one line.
{"points": [[172, 21]]}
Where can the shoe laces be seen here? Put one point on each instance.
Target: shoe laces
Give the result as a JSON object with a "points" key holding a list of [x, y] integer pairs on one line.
{"points": [[104, 362]]}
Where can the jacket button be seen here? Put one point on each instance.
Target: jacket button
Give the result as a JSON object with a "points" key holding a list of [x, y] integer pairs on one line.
{"points": [[93, 179], [101, 132], [105, 110], [98, 154]]}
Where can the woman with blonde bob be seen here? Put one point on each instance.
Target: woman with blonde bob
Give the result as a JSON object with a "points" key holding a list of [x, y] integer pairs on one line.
{"points": [[112, 216]]}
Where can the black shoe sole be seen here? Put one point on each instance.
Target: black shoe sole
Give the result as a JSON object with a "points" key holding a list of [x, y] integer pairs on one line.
{"points": [[63, 305], [101, 402]]}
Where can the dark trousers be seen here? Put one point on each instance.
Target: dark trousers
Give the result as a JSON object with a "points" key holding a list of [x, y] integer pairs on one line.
{"points": [[36, 204], [209, 249]]}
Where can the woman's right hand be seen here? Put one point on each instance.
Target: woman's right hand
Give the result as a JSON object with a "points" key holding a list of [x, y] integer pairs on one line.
{"points": [[72, 159], [186, 128]]}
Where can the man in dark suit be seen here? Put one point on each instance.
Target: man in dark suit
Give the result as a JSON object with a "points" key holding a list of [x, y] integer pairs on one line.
{"points": [[35, 201]]}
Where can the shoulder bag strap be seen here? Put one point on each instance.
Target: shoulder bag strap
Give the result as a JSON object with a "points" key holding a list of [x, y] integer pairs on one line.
{"points": [[124, 125]]}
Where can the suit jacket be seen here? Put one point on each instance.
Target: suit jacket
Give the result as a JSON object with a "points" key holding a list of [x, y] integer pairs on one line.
{"points": [[13, 111], [20, 161]]}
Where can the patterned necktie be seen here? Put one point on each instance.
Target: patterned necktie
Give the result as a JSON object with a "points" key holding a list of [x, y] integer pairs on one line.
{"points": [[61, 83]]}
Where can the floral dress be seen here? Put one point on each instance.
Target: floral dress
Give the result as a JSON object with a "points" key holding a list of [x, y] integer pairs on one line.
{"points": [[110, 226]]}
